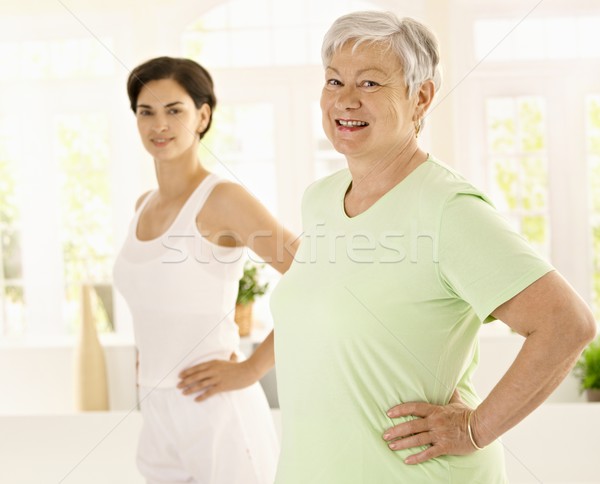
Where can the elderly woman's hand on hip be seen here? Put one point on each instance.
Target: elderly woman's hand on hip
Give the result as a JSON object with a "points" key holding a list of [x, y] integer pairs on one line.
{"points": [[444, 428]]}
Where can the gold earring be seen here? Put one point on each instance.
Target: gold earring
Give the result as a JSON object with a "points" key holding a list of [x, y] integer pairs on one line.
{"points": [[417, 128]]}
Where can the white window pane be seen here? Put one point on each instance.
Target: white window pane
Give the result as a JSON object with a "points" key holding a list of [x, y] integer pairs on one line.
{"points": [[250, 48], [516, 130], [240, 147], [244, 13], [35, 60], [82, 152], [529, 40], [561, 37], [490, 41], [9, 60], [501, 125], [98, 59], [214, 19], [290, 45], [589, 37], [286, 13], [315, 41], [320, 11], [211, 49], [66, 58]]}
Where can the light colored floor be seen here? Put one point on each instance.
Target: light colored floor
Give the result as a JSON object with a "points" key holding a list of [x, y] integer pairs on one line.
{"points": [[558, 444]]}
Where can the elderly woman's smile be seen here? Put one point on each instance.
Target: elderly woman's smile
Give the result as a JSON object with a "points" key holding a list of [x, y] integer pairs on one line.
{"points": [[350, 123]]}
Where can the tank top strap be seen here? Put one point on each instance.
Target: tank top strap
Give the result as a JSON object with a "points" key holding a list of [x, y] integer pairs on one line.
{"points": [[198, 198], [134, 221]]}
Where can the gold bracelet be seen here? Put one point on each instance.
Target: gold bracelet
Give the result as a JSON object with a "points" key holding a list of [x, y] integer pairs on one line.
{"points": [[471, 431]]}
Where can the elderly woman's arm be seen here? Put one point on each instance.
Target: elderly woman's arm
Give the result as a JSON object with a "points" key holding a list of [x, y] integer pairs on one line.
{"points": [[556, 324]]}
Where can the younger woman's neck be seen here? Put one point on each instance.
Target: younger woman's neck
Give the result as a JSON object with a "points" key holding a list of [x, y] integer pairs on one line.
{"points": [[176, 179]]}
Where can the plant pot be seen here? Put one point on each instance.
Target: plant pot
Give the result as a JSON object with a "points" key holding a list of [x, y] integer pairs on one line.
{"points": [[243, 318], [593, 395]]}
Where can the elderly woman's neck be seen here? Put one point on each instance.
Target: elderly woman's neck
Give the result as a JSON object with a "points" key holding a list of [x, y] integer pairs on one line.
{"points": [[376, 177]]}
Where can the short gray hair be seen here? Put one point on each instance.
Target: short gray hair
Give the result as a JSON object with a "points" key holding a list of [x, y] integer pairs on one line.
{"points": [[415, 44]]}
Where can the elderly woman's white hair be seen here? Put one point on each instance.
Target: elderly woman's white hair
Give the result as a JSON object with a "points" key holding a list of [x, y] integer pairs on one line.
{"points": [[414, 44]]}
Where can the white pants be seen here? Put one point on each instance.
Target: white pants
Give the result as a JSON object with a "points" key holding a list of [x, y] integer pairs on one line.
{"points": [[229, 438]]}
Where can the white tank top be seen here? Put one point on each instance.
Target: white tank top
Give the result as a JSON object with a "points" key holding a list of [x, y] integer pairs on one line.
{"points": [[181, 290]]}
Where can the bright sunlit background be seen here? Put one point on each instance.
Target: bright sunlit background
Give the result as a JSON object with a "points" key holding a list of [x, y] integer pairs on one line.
{"points": [[518, 114]]}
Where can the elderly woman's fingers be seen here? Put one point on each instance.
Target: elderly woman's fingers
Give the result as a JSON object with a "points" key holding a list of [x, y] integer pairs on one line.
{"points": [[406, 428], [417, 409], [427, 454], [424, 438]]}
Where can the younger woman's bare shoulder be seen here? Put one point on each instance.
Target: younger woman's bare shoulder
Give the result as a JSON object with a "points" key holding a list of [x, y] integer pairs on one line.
{"points": [[229, 195], [141, 199]]}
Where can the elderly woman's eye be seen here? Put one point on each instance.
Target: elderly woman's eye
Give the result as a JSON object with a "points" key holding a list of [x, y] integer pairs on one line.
{"points": [[333, 82], [370, 84]]}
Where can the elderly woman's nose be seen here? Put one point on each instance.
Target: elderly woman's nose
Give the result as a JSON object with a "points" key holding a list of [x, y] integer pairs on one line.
{"points": [[347, 98]]}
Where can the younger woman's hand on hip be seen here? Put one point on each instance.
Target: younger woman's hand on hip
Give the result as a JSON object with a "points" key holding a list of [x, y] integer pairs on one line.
{"points": [[212, 377]]}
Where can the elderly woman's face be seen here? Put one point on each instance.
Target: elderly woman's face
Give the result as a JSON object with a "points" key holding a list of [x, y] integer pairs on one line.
{"points": [[366, 111]]}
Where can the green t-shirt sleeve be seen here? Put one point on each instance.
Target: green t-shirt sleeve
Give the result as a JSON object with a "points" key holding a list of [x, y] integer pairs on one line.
{"points": [[482, 259]]}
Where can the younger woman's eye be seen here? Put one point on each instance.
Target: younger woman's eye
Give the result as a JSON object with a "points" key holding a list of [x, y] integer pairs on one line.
{"points": [[144, 112], [174, 111]]}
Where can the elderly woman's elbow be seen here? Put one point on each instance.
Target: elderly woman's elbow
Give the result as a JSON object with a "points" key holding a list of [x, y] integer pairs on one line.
{"points": [[585, 327]]}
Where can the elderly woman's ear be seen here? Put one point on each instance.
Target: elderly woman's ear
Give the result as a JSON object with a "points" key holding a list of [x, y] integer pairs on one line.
{"points": [[424, 98]]}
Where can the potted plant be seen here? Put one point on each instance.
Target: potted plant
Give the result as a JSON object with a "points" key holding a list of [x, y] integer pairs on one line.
{"points": [[587, 369], [249, 289]]}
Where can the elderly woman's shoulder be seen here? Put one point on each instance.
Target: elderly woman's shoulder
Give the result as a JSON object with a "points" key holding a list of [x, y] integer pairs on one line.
{"points": [[337, 180], [447, 182]]}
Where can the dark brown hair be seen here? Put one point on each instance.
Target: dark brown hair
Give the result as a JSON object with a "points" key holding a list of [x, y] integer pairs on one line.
{"points": [[190, 75]]}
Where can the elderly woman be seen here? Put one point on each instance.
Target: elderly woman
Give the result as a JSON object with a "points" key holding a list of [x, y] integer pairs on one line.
{"points": [[401, 262]]}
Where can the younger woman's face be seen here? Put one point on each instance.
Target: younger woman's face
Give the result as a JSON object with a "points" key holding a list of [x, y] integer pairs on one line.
{"points": [[168, 120]]}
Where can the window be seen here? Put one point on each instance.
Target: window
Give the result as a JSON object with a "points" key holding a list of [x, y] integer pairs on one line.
{"points": [[239, 33], [12, 294], [56, 59], [593, 156], [535, 127], [537, 38], [240, 145], [518, 164], [56, 209], [82, 152]]}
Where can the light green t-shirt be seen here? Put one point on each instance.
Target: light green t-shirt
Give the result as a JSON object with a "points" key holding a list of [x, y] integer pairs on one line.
{"points": [[384, 308]]}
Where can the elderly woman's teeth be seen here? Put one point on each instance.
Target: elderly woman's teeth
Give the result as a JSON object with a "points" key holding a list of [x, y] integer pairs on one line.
{"points": [[352, 123]]}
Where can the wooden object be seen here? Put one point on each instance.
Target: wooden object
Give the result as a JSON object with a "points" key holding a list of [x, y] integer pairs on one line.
{"points": [[91, 385]]}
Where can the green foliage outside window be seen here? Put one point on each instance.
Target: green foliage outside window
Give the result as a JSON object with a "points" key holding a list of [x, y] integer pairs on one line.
{"points": [[82, 145], [593, 139], [516, 143], [12, 297]]}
